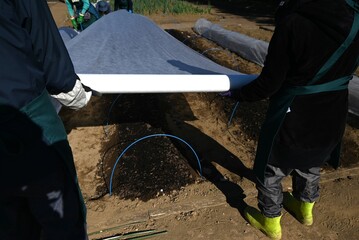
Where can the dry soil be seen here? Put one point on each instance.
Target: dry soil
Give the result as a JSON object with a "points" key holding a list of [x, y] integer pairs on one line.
{"points": [[157, 188]]}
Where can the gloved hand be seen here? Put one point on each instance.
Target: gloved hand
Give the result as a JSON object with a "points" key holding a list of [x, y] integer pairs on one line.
{"points": [[234, 94], [74, 23], [77, 98], [226, 94], [80, 18]]}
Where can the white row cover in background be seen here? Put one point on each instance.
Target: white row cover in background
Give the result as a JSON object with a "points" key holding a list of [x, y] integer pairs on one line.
{"points": [[255, 50]]}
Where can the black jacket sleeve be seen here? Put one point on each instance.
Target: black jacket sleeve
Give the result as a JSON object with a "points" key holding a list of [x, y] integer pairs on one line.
{"points": [[48, 47], [274, 72]]}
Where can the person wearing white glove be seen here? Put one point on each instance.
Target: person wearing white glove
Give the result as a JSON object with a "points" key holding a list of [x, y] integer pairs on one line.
{"points": [[40, 196], [76, 98]]}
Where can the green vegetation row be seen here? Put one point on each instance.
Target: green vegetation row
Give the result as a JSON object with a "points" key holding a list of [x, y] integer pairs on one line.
{"points": [[148, 7]]}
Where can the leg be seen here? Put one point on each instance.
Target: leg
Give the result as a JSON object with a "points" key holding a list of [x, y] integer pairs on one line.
{"points": [[305, 193], [270, 195], [269, 202], [130, 5], [306, 184]]}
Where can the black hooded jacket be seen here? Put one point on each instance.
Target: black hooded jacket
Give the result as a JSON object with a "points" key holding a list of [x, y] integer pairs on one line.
{"points": [[306, 35]]}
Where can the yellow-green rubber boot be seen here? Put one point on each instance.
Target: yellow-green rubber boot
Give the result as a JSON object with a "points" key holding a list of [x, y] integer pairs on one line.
{"points": [[302, 211], [269, 226]]}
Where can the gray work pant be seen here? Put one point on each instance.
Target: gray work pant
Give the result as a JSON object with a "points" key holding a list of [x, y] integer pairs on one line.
{"points": [[305, 183]]}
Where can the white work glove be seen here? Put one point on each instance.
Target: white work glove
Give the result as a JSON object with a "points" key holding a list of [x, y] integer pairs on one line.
{"points": [[75, 99]]}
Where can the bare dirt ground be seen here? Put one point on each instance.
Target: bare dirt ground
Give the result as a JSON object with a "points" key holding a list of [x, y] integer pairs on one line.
{"points": [[157, 188]]}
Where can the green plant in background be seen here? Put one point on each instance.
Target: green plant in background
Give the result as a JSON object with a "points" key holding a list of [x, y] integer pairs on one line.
{"points": [[148, 7]]}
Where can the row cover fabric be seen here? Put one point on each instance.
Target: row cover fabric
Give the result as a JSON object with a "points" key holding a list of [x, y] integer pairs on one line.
{"points": [[256, 50], [247, 47], [126, 43]]}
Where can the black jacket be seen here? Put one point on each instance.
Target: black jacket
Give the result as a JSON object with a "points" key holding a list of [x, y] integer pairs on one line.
{"points": [[33, 55], [306, 35]]}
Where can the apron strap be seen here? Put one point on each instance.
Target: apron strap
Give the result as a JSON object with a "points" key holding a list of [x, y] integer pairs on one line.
{"points": [[339, 52], [282, 100], [353, 4], [339, 84]]}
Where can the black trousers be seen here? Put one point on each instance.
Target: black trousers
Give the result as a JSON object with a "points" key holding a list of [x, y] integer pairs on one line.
{"points": [[305, 184]]}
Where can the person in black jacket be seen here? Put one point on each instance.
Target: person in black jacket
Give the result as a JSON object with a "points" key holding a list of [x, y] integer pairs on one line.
{"points": [[311, 58], [40, 197], [124, 4]]}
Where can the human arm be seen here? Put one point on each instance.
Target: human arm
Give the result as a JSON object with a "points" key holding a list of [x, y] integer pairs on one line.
{"points": [[274, 72], [77, 98], [49, 49], [70, 9], [85, 7], [71, 13]]}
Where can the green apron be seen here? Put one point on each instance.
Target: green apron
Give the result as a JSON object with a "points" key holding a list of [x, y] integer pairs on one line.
{"points": [[42, 113], [282, 100]]}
